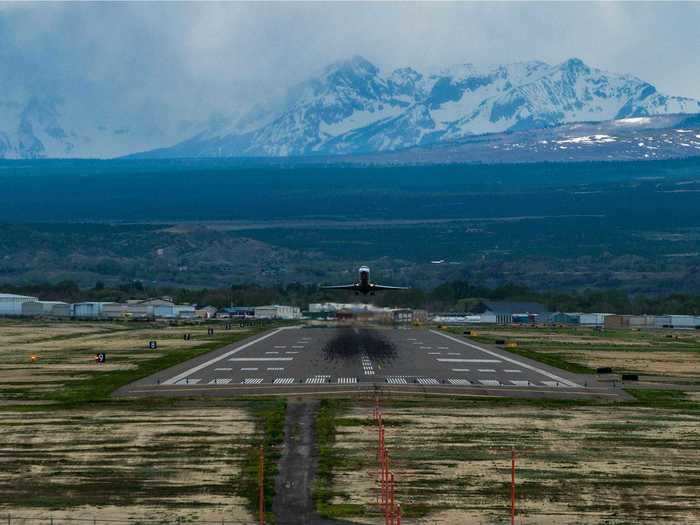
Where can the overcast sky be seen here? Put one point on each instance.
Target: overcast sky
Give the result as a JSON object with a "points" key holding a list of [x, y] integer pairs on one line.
{"points": [[201, 57]]}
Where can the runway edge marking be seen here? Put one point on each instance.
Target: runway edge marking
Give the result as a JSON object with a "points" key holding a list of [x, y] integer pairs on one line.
{"points": [[206, 364], [510, 360]]}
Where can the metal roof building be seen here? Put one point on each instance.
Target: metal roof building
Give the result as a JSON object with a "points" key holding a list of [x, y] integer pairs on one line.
{"points": [[11, 304]]}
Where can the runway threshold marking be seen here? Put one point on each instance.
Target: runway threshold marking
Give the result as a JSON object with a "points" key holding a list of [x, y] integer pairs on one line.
{"points": [[315, 380], [396, 380], [347, 380], [427, 381], [173, 380], [220, 381], [367, 365], [460, 382], [510, 360], [252, 381], [283, 381], [489, 382]]}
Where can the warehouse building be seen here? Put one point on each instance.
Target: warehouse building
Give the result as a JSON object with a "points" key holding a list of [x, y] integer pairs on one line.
{"points": [[46, 309], [277, 311], [506, 312], [11, 304], [89, 309]]}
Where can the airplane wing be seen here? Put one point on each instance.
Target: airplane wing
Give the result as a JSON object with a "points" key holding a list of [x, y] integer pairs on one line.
{"points": [[382, 287], [340, 287]]}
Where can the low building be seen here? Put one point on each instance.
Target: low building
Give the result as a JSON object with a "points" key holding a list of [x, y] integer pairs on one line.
{"points": [[594, 319], [507, 312], [11, 304], [616, 321], [46, 309], [684, 321], [642, 321], [237, 312], [206, 312], [277, 311], [89, 309], [402, 315], [662, 321], [184, 311], [563, 318]]}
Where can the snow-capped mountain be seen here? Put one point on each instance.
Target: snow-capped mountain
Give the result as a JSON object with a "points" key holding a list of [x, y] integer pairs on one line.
{"points": [[352, 107]]}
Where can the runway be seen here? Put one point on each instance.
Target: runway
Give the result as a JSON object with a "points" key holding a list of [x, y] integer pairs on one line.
{"points": [[297, 359]]}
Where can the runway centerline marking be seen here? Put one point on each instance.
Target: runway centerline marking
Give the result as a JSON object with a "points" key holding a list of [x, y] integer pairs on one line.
{"points": [[460, 370], [510, 360], [254, 369], [486, 370], [223, 356], [223, 369]]}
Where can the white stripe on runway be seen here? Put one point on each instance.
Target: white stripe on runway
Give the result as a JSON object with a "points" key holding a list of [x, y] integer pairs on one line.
{"points": [[175, 379], [460, 370], [486, 370], [275, 369], [396, 380], [280, 347], [241, 359], [510, 360], [521, 382], [223, 369], [460, 382], [507, 371], [489, 382], [427, 381], [254, 369], [283, 381], [458, 360], [252, 381], [271, 352], [347, 380]]}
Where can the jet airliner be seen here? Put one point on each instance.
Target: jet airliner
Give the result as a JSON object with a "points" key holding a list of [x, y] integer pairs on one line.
{"points": [[364, 286]]}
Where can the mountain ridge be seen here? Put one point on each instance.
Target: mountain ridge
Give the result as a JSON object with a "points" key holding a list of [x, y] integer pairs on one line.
{"points": [[352, 108]]}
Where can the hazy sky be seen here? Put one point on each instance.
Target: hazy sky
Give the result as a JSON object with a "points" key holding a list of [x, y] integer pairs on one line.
{"points": [[201, 56]]}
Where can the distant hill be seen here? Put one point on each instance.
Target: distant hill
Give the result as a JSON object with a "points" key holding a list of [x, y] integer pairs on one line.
{"points": [[353, 108]]}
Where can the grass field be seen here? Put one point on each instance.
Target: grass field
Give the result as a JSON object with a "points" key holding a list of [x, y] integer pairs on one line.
{"points": [[576, 464], [655, 353], [163, 462], [65, 369]]}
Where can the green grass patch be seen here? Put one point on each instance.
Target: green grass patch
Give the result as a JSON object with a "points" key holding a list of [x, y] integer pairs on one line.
{"points": [[669, 399], [269, 423], [329, 458], [99, 386]]}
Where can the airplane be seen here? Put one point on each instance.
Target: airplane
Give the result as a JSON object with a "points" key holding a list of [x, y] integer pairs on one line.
{"points": [[363, 286]]}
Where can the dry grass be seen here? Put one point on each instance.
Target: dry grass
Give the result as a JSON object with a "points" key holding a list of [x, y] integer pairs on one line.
{"points": [[122, 463], [650, 352], [582, 465], [66, 351]]}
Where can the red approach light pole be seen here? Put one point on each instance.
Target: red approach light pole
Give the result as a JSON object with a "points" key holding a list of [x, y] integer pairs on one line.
{"points": [[261, 487], [512, 487]]}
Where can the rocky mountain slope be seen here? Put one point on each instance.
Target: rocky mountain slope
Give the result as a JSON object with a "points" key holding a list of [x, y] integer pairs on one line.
{"points": [[352, 107]]}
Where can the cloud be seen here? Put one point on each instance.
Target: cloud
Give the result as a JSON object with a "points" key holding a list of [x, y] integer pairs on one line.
{"points": [[183, 61]]}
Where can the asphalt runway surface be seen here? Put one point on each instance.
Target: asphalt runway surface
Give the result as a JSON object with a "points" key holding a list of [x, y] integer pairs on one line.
{"points": [[305, 360]]}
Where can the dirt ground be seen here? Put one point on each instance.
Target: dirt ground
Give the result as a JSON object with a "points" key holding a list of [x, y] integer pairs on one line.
{"points": [[575, 465], [164, 463], [649, 352], [65, 351]]}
